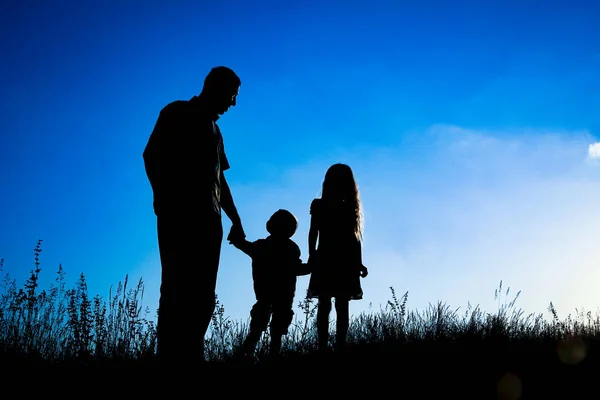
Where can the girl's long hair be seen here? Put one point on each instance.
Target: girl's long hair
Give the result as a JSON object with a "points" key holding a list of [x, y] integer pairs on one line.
{"points": [[339, 185]]}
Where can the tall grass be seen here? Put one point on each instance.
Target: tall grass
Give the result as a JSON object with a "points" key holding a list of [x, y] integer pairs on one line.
{"points": [[60, 324]]}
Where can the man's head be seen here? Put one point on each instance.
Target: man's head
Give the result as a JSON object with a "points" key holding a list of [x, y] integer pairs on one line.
{"points": [[221, 87], [282, 223]]}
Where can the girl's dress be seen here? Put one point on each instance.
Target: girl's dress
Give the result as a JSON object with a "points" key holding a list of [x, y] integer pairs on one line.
{"points": [[336, 264]]}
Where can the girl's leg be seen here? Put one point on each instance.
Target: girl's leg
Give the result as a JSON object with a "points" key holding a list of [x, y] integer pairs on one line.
{"points": [[323, 311], [342, 310]]}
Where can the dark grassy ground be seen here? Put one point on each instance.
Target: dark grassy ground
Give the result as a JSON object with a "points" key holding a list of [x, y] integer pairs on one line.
{"points": [[505, 355], [477, 369]]}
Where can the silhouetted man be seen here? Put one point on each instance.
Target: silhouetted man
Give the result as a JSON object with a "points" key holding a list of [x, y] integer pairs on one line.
{"points": [[184, 161]]}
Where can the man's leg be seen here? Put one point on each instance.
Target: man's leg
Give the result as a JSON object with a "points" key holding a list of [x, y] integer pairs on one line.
{"points": [[166, 330], [168, 324], [188, 284], [207, 253]]}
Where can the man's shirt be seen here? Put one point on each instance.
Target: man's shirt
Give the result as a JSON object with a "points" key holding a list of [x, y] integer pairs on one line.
{"points": [[184, 158]]}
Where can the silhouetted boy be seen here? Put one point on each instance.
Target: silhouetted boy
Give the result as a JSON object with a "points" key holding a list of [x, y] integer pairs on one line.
{"points": [[275, 265]]}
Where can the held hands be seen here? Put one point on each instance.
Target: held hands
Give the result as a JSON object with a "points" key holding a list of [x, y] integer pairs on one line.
{"points": [[305, 269], [312, 261], [236, 233], [236, 242], [363, 271]]}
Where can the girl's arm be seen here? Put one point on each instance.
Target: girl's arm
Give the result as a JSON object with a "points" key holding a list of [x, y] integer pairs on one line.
{"points": [[362, 269], [313, 231], [298, 267], [313, 234], [302, 269]]}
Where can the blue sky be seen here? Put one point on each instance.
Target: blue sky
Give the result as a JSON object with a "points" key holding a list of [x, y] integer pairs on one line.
{"points": [[468, 125]]}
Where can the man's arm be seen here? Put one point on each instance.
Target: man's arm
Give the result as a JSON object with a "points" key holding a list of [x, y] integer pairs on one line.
{"points": [[227, 203], [168, 157], [156, 148]]}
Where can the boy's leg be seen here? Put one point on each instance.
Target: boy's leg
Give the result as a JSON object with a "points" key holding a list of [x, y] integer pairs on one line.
{"points": [[250, 342], [259, 320], [280, 323], [323, 311], [342, 310]]}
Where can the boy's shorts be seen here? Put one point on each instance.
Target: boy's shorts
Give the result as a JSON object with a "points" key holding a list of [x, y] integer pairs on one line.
{"points": [[281, 317]]}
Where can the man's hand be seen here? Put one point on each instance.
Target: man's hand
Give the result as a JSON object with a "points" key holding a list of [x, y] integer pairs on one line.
{"points": [[235, 241], [236, 232]]}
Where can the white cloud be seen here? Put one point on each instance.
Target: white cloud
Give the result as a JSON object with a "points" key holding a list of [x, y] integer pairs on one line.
{"points": [[594, 150], [486, 207]]}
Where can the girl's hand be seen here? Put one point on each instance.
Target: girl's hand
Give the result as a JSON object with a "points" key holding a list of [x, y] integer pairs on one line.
{"points": [[363, 271]]}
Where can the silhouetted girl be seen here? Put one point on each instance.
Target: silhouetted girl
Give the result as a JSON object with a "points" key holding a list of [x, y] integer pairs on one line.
{"points": [[336, 221]]}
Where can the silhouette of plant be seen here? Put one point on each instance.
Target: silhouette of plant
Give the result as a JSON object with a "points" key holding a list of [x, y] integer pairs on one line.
{"points": [[67, 325]]}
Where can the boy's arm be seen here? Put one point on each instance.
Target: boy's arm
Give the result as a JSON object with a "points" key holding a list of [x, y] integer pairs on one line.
{"points": [[244, 245], [300, 268]]}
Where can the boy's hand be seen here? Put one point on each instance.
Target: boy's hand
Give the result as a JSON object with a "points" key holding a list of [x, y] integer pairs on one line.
{"points": [[363, 271]]}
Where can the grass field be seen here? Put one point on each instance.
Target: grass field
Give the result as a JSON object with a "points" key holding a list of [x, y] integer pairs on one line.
{"points": [[512, 354]]}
